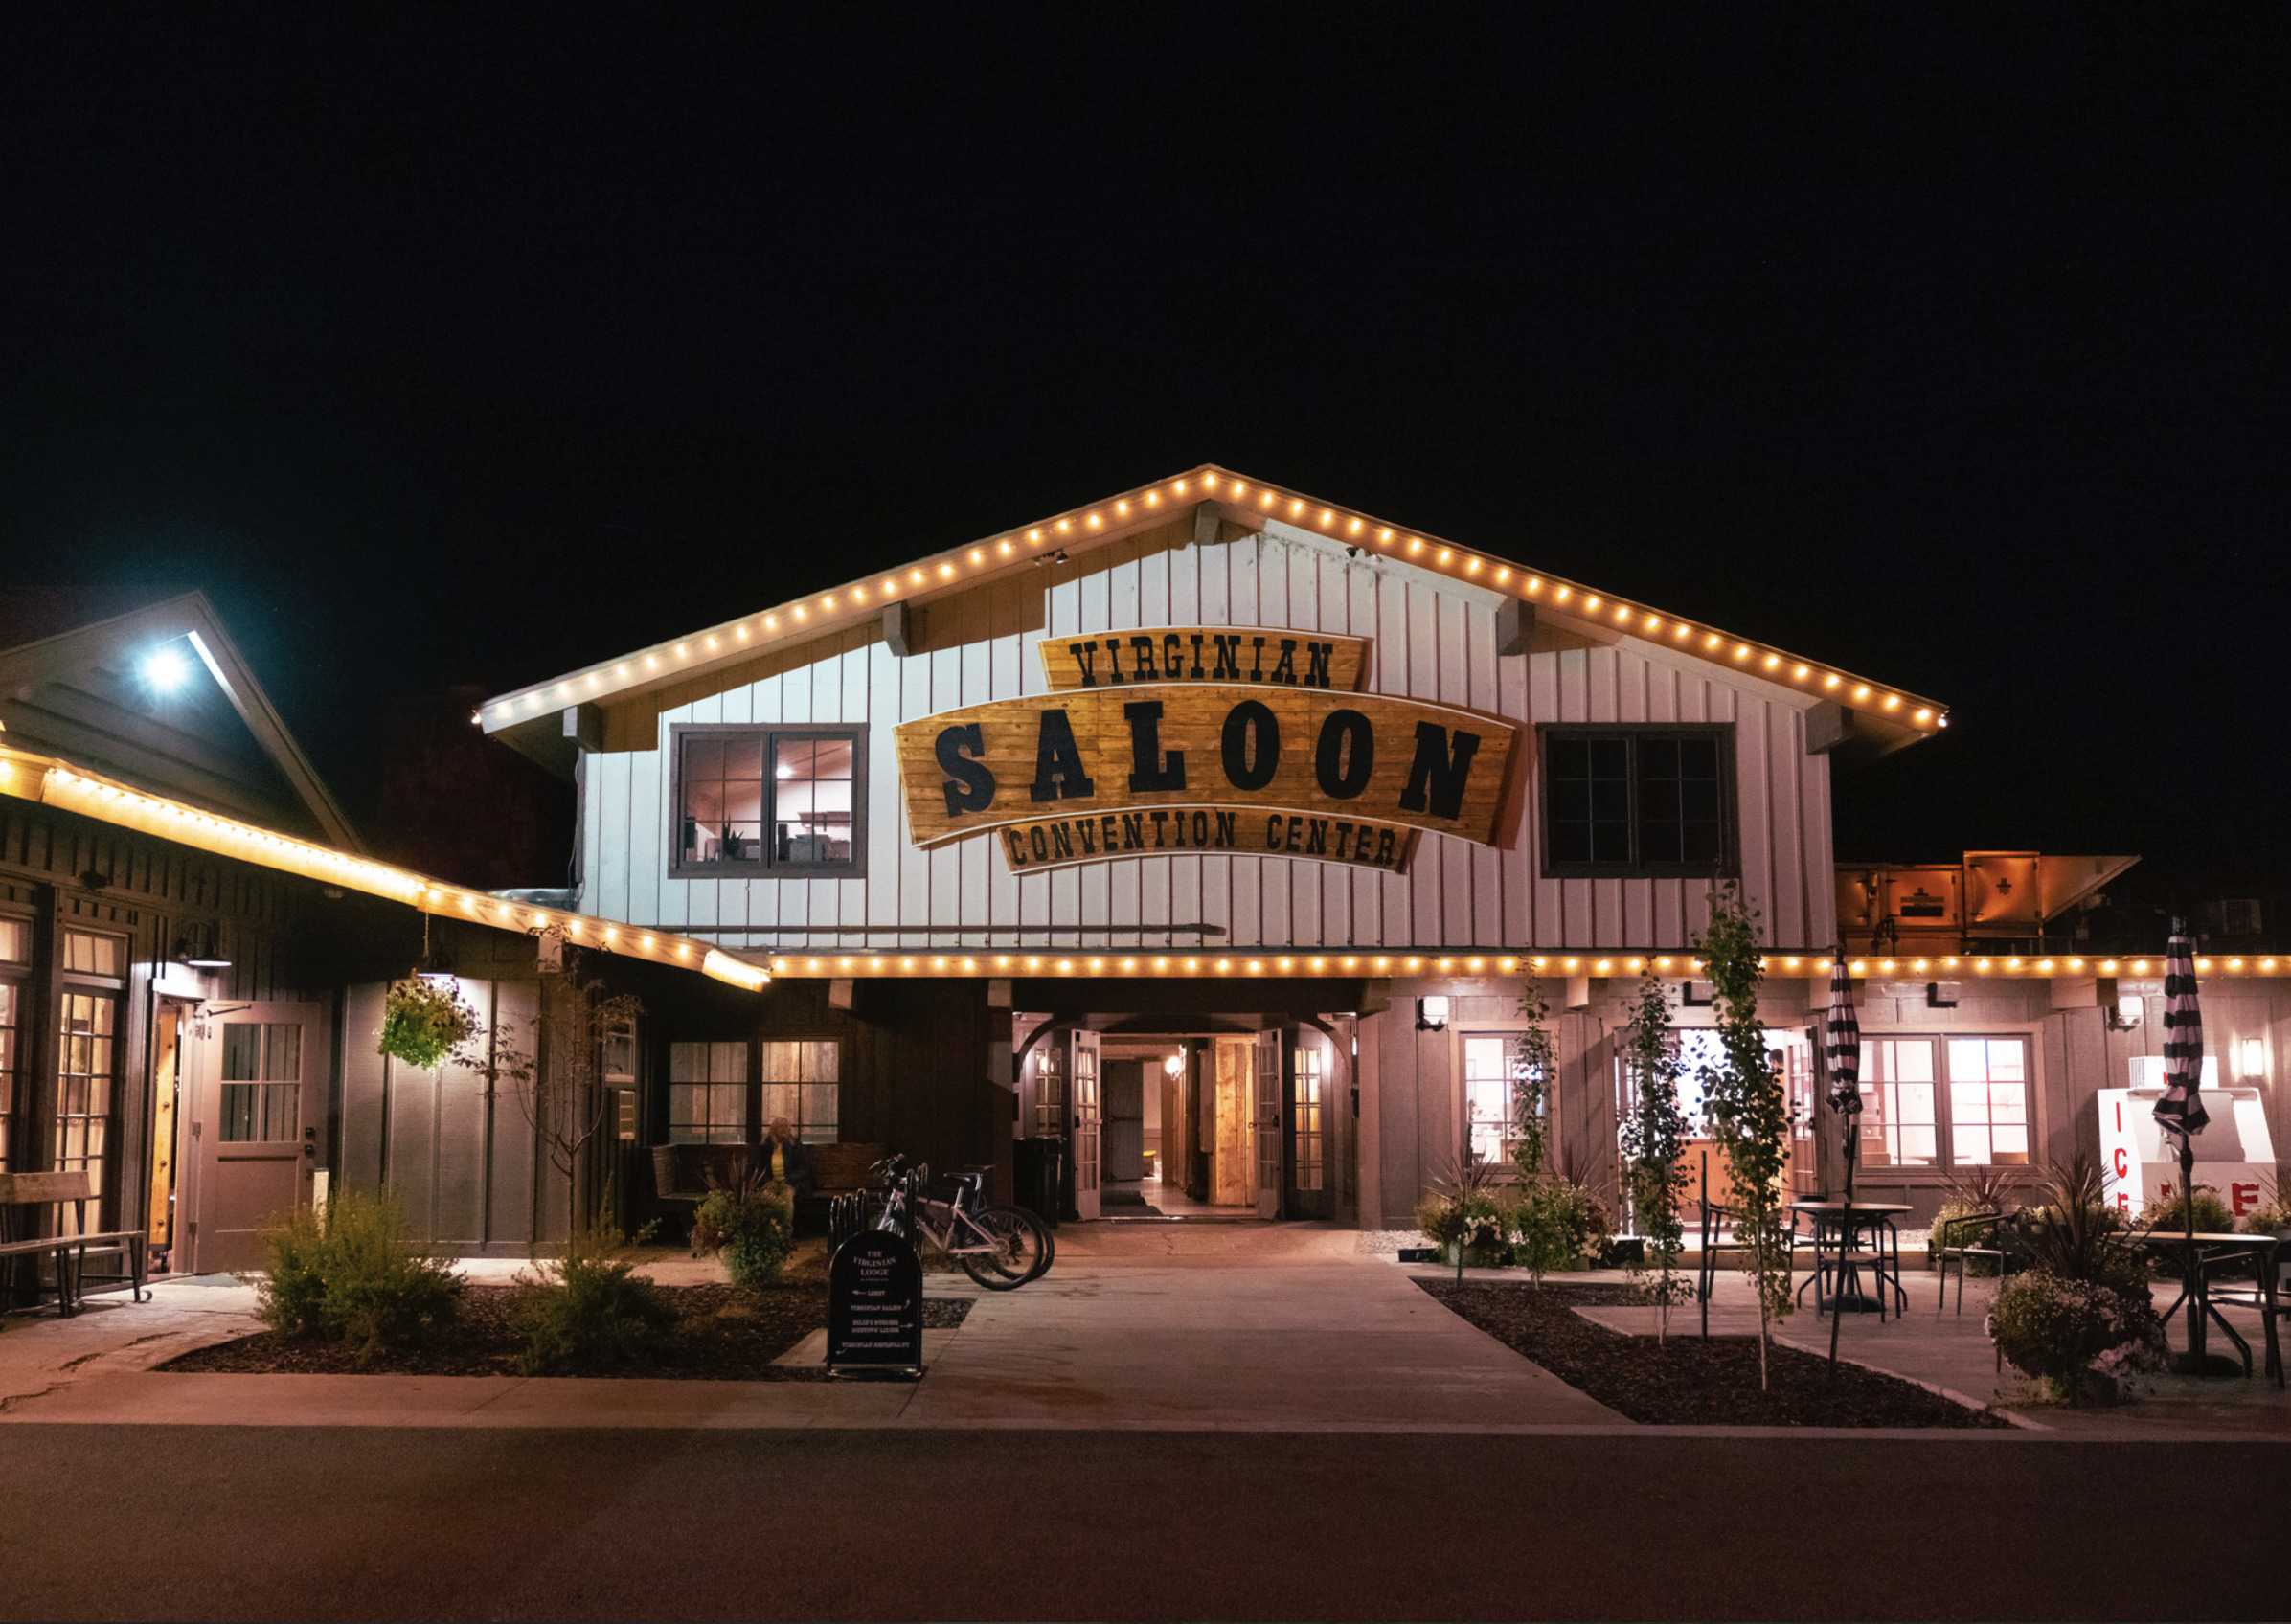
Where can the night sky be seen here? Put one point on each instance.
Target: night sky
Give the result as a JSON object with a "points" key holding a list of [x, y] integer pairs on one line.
{"points": [[445, 350]]}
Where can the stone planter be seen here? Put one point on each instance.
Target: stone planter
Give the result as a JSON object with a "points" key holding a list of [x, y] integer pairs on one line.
{"points": [[1476, 1256]]}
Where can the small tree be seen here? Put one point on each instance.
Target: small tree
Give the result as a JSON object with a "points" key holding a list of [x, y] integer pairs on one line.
{"points": [[1744, 1095], [1530, 1098], [1653, 1137], [555, 1068]]}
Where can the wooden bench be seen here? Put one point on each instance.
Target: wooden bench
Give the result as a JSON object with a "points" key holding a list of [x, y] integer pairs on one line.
{"points": [[687, 1172], [21, 1194]]}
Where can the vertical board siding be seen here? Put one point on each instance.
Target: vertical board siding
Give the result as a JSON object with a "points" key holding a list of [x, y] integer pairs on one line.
{"points": [[1432, 639]]}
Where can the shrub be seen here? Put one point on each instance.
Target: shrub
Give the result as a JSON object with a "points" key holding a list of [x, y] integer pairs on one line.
{"points": [[2275, 1212], [587, 1309], [752, 1223], [2056, 1330], [2211, 1214], [353, 1275], [423, 1021], [1559, 1225], [1464, 1206]]}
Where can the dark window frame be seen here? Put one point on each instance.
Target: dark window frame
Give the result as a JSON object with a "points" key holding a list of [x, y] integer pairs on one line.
{"points": [[764, 867], [1730, 861]]}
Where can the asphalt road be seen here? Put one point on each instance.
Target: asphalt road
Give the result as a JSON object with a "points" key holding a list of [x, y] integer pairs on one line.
{"points": [[366, 1523]]}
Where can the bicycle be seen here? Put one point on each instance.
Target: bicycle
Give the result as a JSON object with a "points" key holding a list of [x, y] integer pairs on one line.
{"points": [[1002, 1247]]}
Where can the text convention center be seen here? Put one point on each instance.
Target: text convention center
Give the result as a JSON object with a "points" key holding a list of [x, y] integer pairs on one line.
{"points": [[1210, 833]]}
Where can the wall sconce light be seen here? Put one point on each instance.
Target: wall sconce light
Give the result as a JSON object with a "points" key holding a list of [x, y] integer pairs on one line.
{"points": [[1431, 1014], [1174, 1066], [201, 950], [2250, 1055]]}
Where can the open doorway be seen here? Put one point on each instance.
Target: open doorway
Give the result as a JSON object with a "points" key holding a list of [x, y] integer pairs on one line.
{"points": [[1182, 1125], [1227, 1123]]}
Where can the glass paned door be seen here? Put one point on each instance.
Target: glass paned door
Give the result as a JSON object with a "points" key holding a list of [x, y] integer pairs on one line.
{"points": [[86, 1065], [1086, 1126], [255, 1079], [1270, 1141], [1308, 1138]]}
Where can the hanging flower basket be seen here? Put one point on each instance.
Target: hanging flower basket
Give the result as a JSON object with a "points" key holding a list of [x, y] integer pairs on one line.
{"points": [[423, 1021]]}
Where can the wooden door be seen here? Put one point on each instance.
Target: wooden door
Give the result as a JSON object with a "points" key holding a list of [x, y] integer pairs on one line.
{"points": [[167, 1057], [1270, 1139], [1087, 1125], [1122, 1089], [257, 1074]]}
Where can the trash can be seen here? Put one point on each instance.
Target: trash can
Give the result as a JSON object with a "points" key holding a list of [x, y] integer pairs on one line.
{"points": [[1035, 1169]]}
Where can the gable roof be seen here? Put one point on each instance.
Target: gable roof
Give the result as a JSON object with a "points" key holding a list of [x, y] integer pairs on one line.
{"points": [[528, 718], [75, 691]]}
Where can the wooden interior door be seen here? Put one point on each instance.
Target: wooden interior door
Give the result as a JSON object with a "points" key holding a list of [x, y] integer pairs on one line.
{"points": [[1087, 1125], [167, 1094], [258, 1074], [1270, 1139]]}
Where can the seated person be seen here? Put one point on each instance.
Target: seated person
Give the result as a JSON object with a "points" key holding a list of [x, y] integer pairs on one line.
{"points": [[784, 1158]]}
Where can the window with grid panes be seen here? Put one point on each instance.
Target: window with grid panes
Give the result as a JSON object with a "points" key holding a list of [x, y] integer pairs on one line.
{"points": [[1494, 1068], [1988, 1102], [15, 956], [802, 1084], [1635, 800], [708, 1093], [1945, 1102], [262, 1082], [86, 1064], [776, 799], [1310, 1172]]}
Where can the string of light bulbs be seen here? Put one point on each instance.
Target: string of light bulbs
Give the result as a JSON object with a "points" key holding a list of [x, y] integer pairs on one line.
{"points": [[959, 566]]}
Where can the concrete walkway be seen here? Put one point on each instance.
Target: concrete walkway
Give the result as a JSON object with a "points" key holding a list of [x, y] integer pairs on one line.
{"points": [[1284, 1329]]}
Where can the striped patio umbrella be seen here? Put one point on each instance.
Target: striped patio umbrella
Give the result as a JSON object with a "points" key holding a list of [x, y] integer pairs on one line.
{"points": [[2181, 1111], [1842, 1051], [2181, 1114]]}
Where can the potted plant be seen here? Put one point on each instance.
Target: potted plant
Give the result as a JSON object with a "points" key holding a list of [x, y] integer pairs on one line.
{"points": [[751, 1223], [424, 1019]]}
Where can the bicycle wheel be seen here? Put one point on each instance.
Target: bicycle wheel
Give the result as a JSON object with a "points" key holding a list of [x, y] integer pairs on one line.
{"points": [[1021, 1251]]}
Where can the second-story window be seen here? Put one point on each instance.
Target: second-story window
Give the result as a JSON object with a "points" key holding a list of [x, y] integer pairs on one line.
{"points": [[1637, 800], [770, 800]]}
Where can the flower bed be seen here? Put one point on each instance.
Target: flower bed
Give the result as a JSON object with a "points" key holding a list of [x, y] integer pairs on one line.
{"points": [[720, 1334], [1688, 1381]]}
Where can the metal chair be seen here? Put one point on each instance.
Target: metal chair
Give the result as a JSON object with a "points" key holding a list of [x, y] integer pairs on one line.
{"points": [[1977, 1234], [2271, 1305]]}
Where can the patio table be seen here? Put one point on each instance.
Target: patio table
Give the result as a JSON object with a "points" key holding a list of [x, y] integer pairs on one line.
{"points": [[2214, 1249], [1840, 1232]]}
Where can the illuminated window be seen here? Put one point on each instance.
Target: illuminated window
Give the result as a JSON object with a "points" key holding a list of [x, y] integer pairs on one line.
{"points": [[1956, 1102], [16, 953], [1900, 1126], [1622, 801], [802, 1083], [762, 800], [708, 1093], [85, 1068], [1988, 1102], [1494, 1066], [1310, 1170]]}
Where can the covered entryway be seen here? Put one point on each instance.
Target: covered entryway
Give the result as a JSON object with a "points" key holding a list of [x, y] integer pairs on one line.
{"points": [[1218, 1115]]}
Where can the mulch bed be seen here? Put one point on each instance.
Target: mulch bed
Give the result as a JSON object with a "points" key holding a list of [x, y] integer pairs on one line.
{"points": [[720, 1335], [1688, 1381]]}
